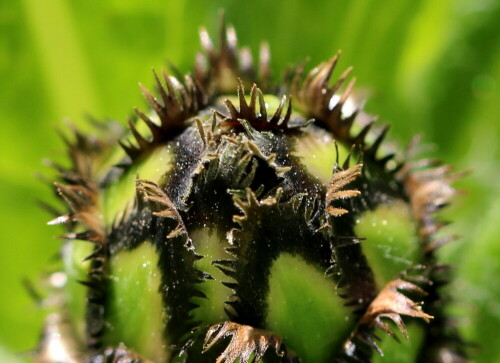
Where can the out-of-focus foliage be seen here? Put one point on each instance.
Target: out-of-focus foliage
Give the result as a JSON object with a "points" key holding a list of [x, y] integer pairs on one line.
{"points": [[427, 66]]}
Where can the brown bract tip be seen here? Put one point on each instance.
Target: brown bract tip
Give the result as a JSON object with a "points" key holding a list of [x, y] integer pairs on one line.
{"points": [[246, 342], [217, 69], [335, 192], [390, 303]]}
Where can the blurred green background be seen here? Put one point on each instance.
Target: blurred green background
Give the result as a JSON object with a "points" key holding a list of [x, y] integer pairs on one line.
{"points": [[428, 66]]}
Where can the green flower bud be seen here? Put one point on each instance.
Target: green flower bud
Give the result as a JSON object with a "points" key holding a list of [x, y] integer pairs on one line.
{"points": [[241, 218]]}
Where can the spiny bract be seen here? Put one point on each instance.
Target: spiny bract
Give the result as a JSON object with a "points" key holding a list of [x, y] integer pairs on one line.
{"points": [[243, 219]]}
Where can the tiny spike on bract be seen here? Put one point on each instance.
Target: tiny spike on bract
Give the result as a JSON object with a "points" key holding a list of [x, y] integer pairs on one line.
{"points": [[334, 192]]}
